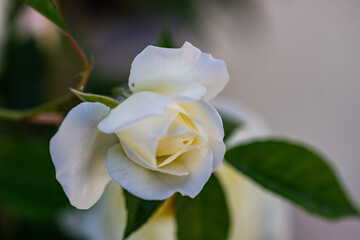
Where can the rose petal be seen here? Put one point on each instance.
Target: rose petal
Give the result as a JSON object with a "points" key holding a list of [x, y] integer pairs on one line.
{"points": [[164, 70], [178, 93], [105, 220], [174, 169], [143, 136], [139, 160], [78, 151], [211, 73], [209, 117], [199, 162], [152, 185], [161, 225], [134, 109], [114, 212], [139, 181], [244, 202]]}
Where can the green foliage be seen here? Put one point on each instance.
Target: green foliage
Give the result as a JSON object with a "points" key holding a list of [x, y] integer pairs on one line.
{"points": [[89, 97], [18, 115], [12, 229], [296, 173], [204, 217], [139, 211], [121, 92], [24, 66], [165, 40], [49, 10], [28, 187]]}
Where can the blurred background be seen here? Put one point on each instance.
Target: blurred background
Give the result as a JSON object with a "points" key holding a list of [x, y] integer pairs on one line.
{"points": [[296, 62]]}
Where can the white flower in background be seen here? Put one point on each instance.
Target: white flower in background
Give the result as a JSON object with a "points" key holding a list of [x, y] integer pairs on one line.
{"points": [[255, 214], [165, 138]]}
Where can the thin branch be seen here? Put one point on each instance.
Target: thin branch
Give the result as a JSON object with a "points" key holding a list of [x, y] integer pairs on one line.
{"points": [[87, 66], [17, 115]]}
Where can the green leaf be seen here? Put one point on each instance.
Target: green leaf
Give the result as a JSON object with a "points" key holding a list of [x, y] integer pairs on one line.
{"points": [[139, 211], [295, 172], [89, 97], [28, 187], [204, 217], [121, 92], [39, 230], [49, 10], [165, 40], [230, 125]]}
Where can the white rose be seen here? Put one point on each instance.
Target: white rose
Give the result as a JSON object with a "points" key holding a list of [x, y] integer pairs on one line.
{"points": [[165, 138], [255, 214]]}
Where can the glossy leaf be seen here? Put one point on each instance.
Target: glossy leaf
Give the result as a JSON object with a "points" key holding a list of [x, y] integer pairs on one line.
{"points": [[89, 97], [206, 216], [28, 187], [49, 10], [139, 211], [295, 172]]}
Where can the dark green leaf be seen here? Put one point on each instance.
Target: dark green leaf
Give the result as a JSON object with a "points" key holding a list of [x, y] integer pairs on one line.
{"points": [[49, 10], [24, 65], [139, 211], [206, 216], [295, 172], [28, 187], [165, 40], [230, 125], [18, 229], [89, 97]]}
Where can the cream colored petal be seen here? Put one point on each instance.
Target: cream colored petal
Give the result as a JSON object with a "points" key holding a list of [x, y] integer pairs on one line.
{"points": [[164, 70], [135, 157], [137, 107], [139, 181], [177, 93], [79, 151], [174, 169], [243, 202], [173, 143], [211, 73], [258, 208], [161, 226], [166, 161], [142, 138], [199, 163], [114, 213], [106, 220], [209, 117], [155, 67]]}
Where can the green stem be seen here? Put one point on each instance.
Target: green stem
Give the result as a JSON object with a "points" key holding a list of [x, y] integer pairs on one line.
{"points": [[86, 65], [17, 115]]}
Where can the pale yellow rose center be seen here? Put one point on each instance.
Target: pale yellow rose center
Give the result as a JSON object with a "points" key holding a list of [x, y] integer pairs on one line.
{"points": [[172, 145], [168, 152]]}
